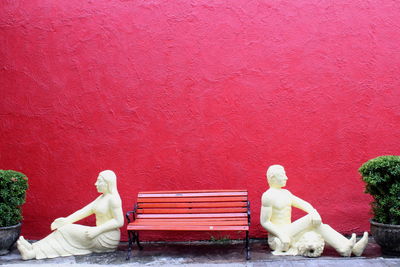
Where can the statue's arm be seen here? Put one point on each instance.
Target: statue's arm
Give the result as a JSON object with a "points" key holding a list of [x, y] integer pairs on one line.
{"points": [[265, 221], [116, 222], [302, 204], [307, 207], [74, 217]]}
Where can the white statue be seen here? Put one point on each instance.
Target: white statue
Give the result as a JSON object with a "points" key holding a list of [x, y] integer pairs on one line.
{"points": [[305, 236], [73, 239]]}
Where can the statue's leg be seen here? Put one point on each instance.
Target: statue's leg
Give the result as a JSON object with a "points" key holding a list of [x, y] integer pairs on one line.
{"points": [[292, 230], [300, 225], [336, 240]]}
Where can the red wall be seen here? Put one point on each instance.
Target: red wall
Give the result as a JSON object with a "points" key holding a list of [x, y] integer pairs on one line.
{"points": [[198, 95]]}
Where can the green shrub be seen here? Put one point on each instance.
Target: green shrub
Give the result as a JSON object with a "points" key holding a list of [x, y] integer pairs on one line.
{"points": [[13, 186], [382, 178]]}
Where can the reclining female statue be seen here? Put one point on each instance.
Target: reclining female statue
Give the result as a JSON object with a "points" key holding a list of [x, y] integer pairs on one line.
{"points": [[73, 239], [305, 236]]}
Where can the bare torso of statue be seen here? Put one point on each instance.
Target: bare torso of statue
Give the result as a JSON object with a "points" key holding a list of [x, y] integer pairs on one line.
{"points": [[69, 238], [281, 205], [305, 236]]}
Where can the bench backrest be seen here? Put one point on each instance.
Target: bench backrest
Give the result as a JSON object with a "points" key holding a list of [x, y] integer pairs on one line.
{"points": [[194, 205]]}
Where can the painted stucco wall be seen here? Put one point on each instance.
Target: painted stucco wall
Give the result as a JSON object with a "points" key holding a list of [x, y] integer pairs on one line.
{"points": [[198, 95]]}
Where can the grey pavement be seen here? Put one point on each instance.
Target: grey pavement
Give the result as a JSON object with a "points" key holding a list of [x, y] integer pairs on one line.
{"points": [[205, 253]]}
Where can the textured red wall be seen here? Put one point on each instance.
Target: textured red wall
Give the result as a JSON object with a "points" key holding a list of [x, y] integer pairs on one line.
{"points": [[198, 95]]}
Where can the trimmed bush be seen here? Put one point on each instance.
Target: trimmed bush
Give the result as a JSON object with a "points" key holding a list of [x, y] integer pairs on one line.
{"points": [[13, 186], [382, 178]]}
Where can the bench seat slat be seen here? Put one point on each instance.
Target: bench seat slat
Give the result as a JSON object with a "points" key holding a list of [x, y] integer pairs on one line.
{"points": [[190, 211], [146, 222], [188, 228], [193, 205], [190, 199], [204, 215], [191, 191], [212, 194], [190, 219]]}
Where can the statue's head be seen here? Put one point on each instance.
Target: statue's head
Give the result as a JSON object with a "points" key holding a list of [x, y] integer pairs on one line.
{"points": [[106, 182], [276, 176]]}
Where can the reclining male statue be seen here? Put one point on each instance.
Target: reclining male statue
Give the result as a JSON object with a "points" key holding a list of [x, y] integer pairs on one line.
{"points": [[306, 235], [73, 239]]}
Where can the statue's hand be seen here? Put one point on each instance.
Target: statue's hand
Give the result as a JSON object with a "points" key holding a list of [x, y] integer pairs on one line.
{"points": [[58, 223], [315, 218], [92, 232], [285, 239]]}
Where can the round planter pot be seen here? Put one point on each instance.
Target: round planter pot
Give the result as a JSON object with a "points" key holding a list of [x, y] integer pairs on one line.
{"points": [[8, 236], [387, 236]]}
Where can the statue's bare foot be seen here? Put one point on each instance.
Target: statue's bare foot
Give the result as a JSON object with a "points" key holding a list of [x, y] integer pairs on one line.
{"points": [[353, 239], [359, 247], [26, 254], [25, 243]]}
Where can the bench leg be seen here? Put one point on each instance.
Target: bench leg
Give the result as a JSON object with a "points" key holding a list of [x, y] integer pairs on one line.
{"points": [[247, 246], [131, 238], [137, 241]]}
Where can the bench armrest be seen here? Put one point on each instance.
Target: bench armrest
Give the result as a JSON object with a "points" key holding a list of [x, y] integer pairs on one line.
{"points": [[133, 212]]}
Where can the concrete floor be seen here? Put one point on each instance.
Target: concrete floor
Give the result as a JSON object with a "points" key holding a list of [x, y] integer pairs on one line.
{"points": [[204, 253]]}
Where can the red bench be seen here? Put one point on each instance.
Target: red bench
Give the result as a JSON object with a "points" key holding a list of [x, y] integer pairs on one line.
{"points": [[195, 210]]}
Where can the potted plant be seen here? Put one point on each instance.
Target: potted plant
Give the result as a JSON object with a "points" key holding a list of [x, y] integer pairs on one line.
{"points": [[382, 178], [13, 186]]}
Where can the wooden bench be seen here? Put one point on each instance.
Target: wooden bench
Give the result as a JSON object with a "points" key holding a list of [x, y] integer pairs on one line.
{"points": [[195, 210]]}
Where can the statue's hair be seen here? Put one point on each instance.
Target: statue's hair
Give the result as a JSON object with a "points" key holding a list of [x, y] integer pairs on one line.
{"points": [[272, 170], [111, 179]]}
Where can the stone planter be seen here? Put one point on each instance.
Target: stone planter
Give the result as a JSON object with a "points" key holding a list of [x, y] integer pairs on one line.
{"points": [[8, 236], [387, 236]]}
